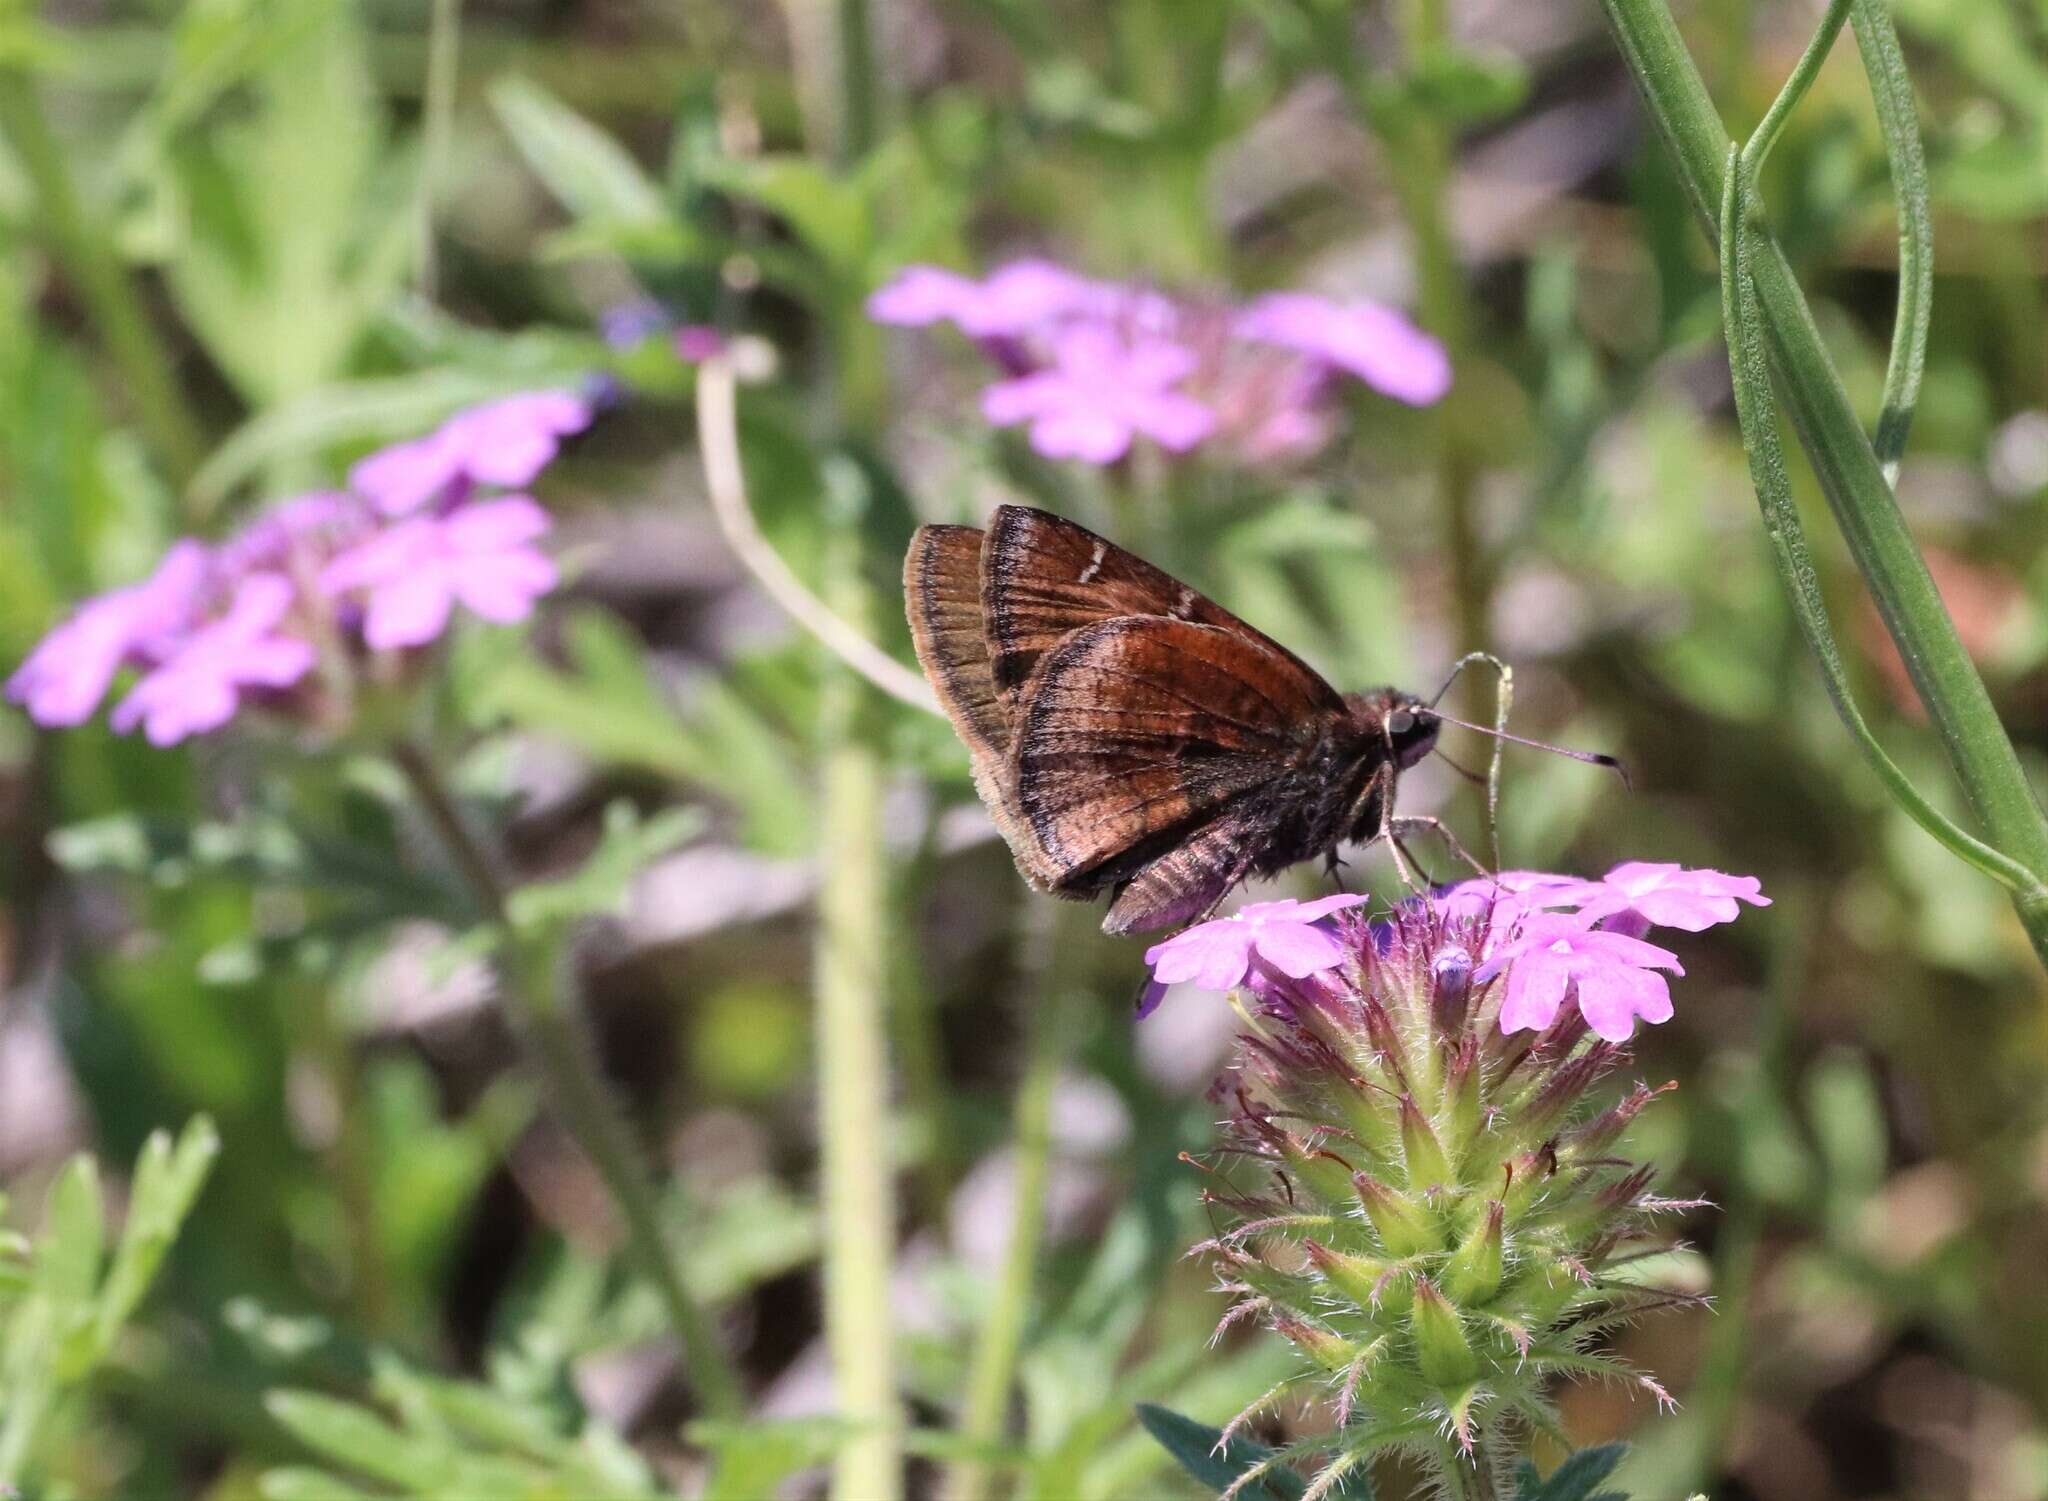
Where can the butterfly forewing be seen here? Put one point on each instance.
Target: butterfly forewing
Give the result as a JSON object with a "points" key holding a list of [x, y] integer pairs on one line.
{"points": [[1140, 728], [1043, 577]]}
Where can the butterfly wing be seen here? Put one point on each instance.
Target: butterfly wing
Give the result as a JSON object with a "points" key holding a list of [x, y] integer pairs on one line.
{"points": [[942, 593], [1043, 577], [1140, 735]]}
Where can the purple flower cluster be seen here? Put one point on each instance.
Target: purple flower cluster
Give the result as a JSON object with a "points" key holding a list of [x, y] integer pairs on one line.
{"points": [[1093, 366], [382, 563], [1548, 938]]}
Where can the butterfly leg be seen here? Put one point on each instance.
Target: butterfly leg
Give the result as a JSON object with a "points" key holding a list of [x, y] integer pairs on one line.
{"points": [[1421, 823], [1381, 785]]}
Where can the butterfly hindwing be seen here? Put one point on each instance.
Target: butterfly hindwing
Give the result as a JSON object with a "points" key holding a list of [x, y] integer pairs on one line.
{"points": [[1141, 729], [942, 590]]}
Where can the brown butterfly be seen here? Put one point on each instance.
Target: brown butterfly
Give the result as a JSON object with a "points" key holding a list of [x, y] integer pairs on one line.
{"points": [[1130, 735]]}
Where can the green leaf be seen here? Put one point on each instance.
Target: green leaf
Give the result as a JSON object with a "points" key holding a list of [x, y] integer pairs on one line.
{"points": [[750, 1460], [591, 173], [296, 1484], [1201, 1451], [600, 888], [167, 1181], [1574, 1479], [358, 1439]]}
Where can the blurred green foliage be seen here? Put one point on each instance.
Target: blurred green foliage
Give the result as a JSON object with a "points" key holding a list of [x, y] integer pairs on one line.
{"points": [[400, 1279]]}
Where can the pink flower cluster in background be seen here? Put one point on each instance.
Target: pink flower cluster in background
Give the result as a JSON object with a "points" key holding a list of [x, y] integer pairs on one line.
{"points": [[379, 565], [1092, 366], [1548, 938]]}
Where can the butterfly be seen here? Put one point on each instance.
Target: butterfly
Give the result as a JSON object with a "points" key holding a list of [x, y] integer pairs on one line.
{"points": [[1131, 736]]}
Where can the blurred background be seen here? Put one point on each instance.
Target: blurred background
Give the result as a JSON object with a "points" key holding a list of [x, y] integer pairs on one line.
{"points": [[243, 242]]}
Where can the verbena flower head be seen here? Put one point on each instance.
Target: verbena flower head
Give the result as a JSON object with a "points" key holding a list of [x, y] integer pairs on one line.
{"points": [[1419, 1168], [217, 628], [504, 443], [1102, 391], [1094, 366], [410, 576]]}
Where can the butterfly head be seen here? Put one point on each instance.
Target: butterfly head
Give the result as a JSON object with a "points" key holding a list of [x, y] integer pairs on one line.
{"points": [[1407, 723]]}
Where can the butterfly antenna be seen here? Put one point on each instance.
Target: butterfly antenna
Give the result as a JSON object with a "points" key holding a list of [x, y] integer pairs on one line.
{"points": [[1591, 758], [1464, 662]]}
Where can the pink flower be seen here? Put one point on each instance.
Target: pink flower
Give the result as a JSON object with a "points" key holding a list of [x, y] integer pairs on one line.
{"points": [[1016, 299], [1670, 896], [200, 685], [1615, 975], [1509, 895], [1218, 955], [698, 342], [307, 529], [70, 670], [1372, 342], [504, 443], [413, 573], [1101, 393]]}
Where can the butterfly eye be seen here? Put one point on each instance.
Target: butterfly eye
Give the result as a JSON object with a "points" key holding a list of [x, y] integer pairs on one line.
{"points": [[1400, 722]]}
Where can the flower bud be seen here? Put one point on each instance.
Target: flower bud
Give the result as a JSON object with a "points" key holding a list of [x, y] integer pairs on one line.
{"points": [[1441, 1349]]}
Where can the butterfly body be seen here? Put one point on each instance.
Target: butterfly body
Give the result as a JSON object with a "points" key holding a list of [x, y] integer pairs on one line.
{"points": [[1131, 736]]}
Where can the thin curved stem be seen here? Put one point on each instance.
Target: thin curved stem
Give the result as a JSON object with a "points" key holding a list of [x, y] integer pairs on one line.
{"points": [[725, 480], [1765, 136], [558, 1045]]}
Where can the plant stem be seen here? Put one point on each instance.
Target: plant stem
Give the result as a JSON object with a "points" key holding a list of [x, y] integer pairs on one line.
{"points": [[1851, 477], [1420, 154], [444, 34], [85, 252], [993, 1370], [853, 1061], [560, 1049]]}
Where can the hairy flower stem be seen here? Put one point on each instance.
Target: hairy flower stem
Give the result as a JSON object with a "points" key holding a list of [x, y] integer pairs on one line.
{"points": [[561, 1051], [86, 253], [992, 1371], [853, 1055], [1849, 469], [437, 129]]}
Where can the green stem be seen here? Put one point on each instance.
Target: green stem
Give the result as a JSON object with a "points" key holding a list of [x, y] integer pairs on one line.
{"points": [[1850, 474], [1757, 417], [559, 1047], [1804, 72], [992, 1372], [853, 1063], [444, 34], [85, 252], [1420, 153]]}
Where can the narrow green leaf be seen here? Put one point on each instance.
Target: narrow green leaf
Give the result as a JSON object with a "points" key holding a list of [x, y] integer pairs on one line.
{"points": [[1201, 1451], [1574, 1479], [591, 173], [296, 1483], [167, 1180], [1891, 90], [1756, 412], [346, 1434]]}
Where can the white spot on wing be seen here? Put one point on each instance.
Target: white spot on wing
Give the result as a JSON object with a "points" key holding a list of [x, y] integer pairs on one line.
{"points": [[1095, 563], [1183, 607]]}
